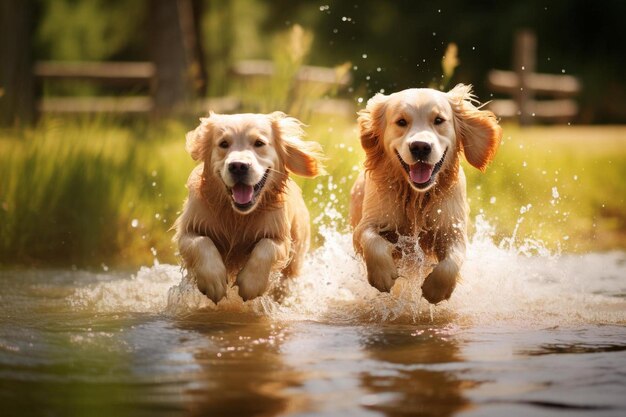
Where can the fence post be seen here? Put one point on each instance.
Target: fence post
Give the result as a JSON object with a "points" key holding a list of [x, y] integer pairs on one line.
{"points": [[524, 62]]}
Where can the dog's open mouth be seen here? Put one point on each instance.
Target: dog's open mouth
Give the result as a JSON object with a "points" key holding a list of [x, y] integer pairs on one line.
{"points": [[244, 196], [422, 174]]}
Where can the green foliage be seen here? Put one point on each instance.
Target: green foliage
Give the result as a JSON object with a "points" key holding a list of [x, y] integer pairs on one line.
{"points": [[89, 30], [80, 193], [328, 197], [562, 185]]}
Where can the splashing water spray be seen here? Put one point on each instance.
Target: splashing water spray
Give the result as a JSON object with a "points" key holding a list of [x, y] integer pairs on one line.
{"points": [[512, 282]]}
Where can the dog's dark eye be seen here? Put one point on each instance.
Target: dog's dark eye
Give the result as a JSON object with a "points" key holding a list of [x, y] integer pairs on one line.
{"points": [[223, 144], [401, 122], [439, 120], [259, 143]]}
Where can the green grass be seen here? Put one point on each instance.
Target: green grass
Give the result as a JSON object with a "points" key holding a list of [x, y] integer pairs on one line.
{"points": [[82, 193], [97, 191], [568, 180]]}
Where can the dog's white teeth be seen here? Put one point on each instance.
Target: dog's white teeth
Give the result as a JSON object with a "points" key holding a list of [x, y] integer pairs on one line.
{"points": [[261, 183]]}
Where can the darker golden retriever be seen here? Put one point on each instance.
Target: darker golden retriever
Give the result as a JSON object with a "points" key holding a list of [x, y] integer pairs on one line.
{"points": [[413, 185]]}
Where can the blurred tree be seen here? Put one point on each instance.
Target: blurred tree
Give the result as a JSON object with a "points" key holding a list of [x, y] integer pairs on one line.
{"points": [[166, 48], [17, 99], [190, 12], [175, 49]]}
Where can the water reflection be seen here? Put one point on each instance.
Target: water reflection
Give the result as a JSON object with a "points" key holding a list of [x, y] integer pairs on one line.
{"points": [[107, 355], [242, 370], [412, 376]]}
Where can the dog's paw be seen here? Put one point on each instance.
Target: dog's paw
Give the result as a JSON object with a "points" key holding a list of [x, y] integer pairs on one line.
{"points": [[382, 272], [440, 283], [252, 282], [212, 282]]}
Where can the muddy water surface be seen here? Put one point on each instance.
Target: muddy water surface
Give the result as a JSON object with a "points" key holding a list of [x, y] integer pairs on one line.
{"points": [[527, 333]]}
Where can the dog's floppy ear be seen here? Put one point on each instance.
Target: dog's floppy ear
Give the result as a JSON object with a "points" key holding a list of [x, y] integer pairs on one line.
{"points": [[371, 125], [478, 130], [301, 157], [198, 140]]}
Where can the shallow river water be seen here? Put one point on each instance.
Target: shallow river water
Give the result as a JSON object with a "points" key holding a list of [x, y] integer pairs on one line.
{"points": [[526, 333]]}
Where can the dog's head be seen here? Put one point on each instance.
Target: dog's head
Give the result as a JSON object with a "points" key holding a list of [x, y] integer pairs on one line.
{"points": [[422, 130], [251, 154]]}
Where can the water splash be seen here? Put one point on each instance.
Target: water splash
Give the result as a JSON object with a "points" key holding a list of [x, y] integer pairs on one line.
{"points": [[520, 283], [144, 292]]}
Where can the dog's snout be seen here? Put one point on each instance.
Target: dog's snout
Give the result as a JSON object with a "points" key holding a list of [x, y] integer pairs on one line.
{"points": [[419, 149], [238, 168]]}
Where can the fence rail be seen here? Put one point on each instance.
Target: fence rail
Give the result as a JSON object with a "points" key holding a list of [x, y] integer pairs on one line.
{"points": [[143, 74], [307, 73], [508, 81], [105, 72]]}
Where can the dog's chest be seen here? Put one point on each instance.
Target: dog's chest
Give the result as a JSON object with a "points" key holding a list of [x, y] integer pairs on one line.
{"points": [[236, 236]]}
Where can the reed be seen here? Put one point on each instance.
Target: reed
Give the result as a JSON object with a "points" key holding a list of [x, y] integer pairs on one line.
{"points": [[88, 192]]}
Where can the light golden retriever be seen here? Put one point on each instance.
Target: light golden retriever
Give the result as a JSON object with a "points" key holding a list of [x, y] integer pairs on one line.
{"points": [[413, 185], [244, 216]]}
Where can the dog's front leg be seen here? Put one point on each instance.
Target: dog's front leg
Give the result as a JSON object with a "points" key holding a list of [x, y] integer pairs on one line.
{"points": [[253, 279], [377, 252], [205, 263], [450, 251]]}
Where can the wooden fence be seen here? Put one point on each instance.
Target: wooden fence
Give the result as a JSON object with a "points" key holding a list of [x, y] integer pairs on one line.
{"points": [[142, 76], [132, 75], [525, 86]]}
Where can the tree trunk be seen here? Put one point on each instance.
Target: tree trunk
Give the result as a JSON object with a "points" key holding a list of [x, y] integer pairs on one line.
{"points": [[190, 12], [171, 87], [17, 87]]}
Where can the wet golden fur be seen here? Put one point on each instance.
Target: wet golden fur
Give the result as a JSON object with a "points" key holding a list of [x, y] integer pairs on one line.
{"points": [[217, 240], [385, 204]]}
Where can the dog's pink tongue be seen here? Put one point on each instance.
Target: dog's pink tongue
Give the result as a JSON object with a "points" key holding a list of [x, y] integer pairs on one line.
{"points": [[242, 193], [420, 172]]}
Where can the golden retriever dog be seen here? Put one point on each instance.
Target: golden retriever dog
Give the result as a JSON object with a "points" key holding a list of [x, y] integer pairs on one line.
{"points": [[413, 186], [244, 216]]}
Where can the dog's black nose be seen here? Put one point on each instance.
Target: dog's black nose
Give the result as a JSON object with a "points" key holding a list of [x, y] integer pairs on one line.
{"points": [[420, 150], [238, 168]]}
